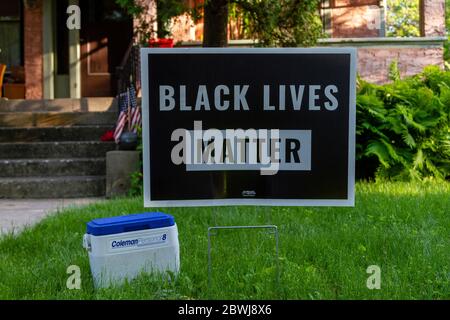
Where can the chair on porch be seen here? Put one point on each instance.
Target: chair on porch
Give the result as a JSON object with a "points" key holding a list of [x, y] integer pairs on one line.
{"points": [[2, 74]]}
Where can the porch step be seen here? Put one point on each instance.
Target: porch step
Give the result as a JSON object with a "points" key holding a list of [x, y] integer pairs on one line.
{"points": [[52, 150], [52, 119], [69, 133], [60, 105], [52, 187], [52, 167]]}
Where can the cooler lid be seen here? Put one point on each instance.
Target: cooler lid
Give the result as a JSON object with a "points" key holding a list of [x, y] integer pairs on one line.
{"points": [[132, 222]]}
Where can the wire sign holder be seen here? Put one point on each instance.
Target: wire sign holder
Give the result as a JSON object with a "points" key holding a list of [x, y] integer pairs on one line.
{"points": [[212, 231]]}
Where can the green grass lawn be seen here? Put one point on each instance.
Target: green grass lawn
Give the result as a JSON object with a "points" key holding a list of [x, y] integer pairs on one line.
{"points": [[404, 228]]}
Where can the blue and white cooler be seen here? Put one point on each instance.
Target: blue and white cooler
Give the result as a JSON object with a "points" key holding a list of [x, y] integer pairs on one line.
{"points": [[122, 247]]}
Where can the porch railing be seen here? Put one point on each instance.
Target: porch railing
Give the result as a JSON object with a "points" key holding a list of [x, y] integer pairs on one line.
{"points": [[128, 72]]}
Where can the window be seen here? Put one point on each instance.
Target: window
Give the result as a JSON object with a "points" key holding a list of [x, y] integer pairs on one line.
{"points": [[11, 47]]}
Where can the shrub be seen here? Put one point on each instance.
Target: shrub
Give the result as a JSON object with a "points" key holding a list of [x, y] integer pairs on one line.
{"points": [[403, 130]]}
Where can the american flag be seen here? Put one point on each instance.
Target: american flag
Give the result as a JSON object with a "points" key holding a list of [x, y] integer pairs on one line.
{"points": [[127, 103], [135, 111]]}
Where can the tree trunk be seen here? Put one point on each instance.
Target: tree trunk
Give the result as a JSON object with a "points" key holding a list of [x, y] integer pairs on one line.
{"points": [[215, 23], [160, 30]]}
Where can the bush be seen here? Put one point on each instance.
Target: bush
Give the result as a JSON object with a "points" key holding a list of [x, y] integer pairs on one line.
{"points": [[403, 130]]}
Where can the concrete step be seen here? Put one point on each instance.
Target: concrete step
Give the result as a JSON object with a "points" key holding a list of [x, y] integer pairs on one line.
{"points": [[52, 119], [52, 167], [72, 133], [59, 105], [45, 150], [52, 187]]}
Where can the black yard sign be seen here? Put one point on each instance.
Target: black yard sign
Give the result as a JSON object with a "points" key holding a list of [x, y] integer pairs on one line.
{"points": [[248, 126]]}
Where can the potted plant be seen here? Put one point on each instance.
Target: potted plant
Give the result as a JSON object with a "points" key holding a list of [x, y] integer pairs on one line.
{"points": [[161, 43]]}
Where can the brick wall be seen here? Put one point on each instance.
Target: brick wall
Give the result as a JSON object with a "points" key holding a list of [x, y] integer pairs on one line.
{"points": [[33, 51], [373, 63], [432, 16]]}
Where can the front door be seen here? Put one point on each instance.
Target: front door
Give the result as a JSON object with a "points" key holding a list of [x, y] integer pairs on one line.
{"points": [[106, 32]]}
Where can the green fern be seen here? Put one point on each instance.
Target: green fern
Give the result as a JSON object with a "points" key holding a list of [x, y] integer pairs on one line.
{"points": [[405, 126], [394, 71], [378, 149]]}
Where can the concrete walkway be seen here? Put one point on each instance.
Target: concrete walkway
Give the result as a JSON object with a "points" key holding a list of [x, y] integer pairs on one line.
{"points": [[16, 214]]}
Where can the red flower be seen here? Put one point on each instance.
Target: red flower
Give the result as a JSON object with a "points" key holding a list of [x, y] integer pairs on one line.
{"points": [[108, 136]]}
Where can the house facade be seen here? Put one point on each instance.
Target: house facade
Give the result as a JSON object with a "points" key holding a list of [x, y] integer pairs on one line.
{"points": [[46, 60]]}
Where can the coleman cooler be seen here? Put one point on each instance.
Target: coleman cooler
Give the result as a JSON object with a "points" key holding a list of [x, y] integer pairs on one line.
{"points": [[122, 247]]}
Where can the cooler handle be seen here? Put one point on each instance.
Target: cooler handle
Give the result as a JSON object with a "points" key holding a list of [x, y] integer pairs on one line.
{"points": [[87, 242]]}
